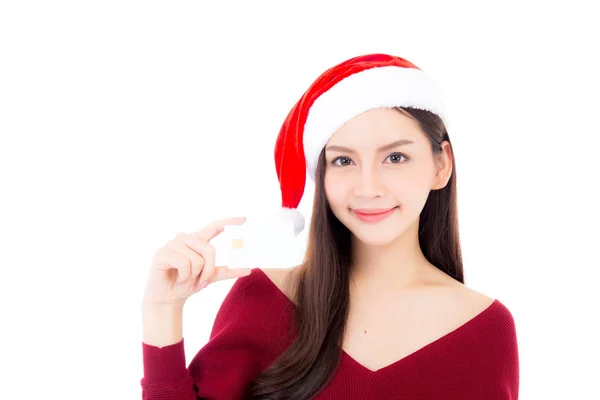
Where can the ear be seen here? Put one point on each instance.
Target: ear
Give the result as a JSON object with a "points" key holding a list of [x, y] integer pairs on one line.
{"points": [[444, 166]]}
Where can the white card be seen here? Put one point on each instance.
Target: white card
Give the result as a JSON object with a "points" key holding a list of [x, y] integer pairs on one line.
{"points": [[259, 244]]}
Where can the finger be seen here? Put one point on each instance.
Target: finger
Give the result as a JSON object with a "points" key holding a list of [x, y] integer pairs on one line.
{"points": [[171, 259], [207, 251], [223, 273], [196, 260], [216, 227]]}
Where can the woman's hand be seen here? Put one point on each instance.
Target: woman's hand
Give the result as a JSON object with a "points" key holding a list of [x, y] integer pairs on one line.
{"points": [[181, 267]]}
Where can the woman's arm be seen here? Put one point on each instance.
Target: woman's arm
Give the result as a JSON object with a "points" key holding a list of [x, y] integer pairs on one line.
{"points": [[165, 373], [162, 325]]}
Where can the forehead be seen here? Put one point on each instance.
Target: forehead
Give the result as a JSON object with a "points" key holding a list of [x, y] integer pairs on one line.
{"points": [[376, 126]]}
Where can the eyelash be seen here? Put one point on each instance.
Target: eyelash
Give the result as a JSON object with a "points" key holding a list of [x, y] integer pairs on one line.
{"points": [[393, 154]]}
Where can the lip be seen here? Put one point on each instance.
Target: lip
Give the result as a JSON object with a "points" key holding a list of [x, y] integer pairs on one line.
{"points": [[373, 215], [372, 211]]}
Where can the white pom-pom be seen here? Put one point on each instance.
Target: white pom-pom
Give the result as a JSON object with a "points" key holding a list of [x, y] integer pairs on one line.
{"points": [[292, 215]]}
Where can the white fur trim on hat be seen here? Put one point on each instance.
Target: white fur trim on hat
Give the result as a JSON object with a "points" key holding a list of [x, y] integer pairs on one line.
{"points": [[379, 87], [286, 214]]}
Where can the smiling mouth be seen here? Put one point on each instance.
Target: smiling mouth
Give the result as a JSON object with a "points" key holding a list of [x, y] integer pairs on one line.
{"points": [[374, 215], [372, 211]]}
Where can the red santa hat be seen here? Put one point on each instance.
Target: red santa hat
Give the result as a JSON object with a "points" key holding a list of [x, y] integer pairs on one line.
{"points": [[338, 95]]}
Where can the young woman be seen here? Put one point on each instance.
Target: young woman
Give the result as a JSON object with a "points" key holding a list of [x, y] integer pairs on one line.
{"points": [[378, 308]]}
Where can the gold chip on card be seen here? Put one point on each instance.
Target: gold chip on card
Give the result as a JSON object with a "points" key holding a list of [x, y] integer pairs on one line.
{"points": [[237, 243]]}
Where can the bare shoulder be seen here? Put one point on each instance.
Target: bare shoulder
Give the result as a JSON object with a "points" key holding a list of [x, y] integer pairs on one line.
{"points": [[277, 275], [465, 298], [452, 303], [473, 300], [283, 278], [454, 293]]}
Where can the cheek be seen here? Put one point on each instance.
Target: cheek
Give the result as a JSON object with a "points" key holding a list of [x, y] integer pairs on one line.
{"points": [[413, 189], [335, 191]]}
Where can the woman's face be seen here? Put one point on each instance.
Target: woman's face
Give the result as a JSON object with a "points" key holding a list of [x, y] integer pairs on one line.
{"points": [[381, 159]]}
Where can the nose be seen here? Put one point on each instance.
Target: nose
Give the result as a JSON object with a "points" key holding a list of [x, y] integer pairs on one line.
{"points": [[368, 183]]}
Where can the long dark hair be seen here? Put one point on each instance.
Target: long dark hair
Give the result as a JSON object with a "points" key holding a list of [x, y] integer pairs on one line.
{"points": [[322, 289]]}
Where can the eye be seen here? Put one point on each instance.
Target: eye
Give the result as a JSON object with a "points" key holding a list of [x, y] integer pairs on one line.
{"points": [[340, 158], [397, 156]]}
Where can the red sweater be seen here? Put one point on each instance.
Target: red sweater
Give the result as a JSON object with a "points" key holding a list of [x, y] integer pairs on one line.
{"points": [[478, 360]]}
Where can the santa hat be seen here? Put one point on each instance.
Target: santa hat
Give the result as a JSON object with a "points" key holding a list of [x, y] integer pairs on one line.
{"points": [[338, 95]]}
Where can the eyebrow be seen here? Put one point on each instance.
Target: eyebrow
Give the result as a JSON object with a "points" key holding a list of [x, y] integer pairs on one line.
{"points": [[382, 148]]}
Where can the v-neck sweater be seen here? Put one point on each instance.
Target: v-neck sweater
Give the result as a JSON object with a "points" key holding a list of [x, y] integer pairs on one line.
{"points": [[477, 360]]}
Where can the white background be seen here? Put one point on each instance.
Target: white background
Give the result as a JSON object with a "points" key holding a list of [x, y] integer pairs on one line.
{"points": [[123, 123]]}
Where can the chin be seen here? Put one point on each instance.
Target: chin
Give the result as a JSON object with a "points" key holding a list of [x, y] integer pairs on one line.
{"points": [[378, 234], [371, 237]]}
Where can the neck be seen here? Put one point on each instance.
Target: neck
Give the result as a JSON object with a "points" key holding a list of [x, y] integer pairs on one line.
{"points": [[392, 268]]}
